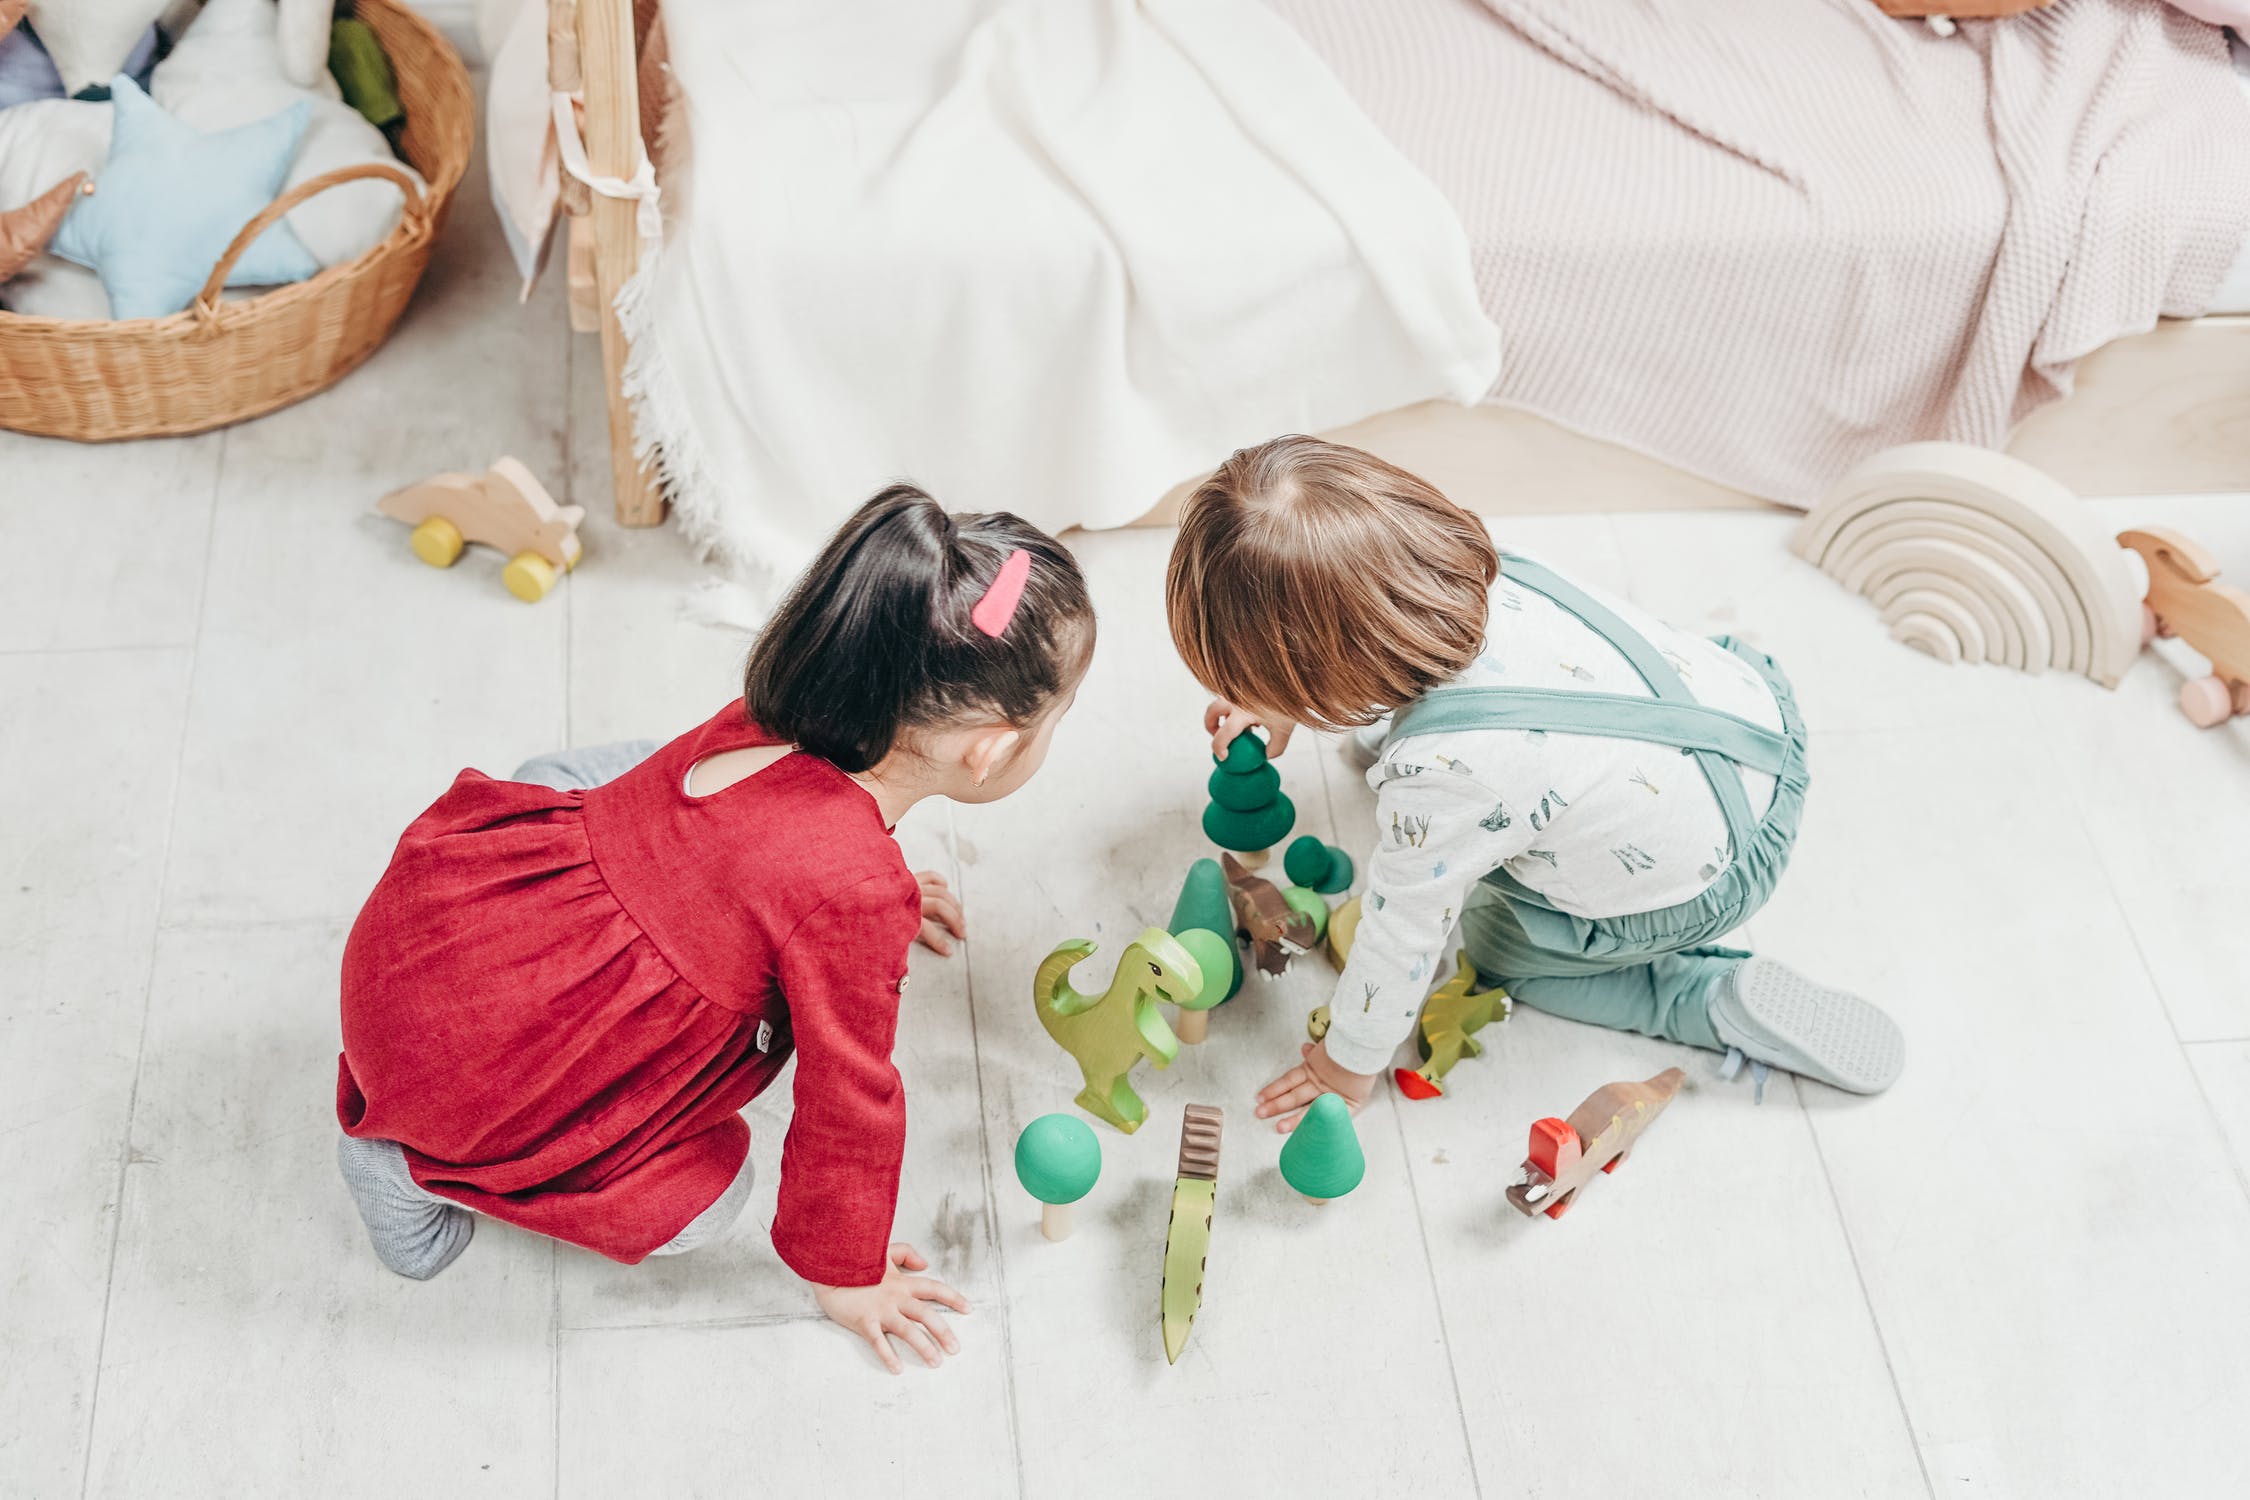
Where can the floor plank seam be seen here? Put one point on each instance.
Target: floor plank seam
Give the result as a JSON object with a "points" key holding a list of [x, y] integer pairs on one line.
{"points": [[148, 983], [1437, 1296], [1866, 1296], [689, 1325], [984, 1141], [2211, 1112], [1414, 1189]]}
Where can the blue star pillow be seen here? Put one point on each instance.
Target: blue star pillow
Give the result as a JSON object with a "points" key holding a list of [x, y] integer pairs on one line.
{"points": [[170, 199]]}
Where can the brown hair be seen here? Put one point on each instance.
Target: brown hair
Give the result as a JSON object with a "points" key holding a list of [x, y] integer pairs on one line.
{"points": [[1318, 581]]}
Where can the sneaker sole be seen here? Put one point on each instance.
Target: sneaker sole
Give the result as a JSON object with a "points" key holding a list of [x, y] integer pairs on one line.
{"points": [[1812, 1030]]}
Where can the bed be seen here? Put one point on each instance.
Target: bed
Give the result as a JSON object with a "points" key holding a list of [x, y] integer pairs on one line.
{"points": [[2166, 409]]}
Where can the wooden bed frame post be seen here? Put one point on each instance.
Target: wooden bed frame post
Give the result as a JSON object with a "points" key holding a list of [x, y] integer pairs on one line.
{"points": [[605, 63]]}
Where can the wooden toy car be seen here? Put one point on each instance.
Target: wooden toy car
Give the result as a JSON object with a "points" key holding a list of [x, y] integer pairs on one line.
{"points": [[503, 507]]}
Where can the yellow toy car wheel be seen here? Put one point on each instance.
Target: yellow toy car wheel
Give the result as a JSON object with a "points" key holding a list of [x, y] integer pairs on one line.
{"points": [[528, 576], [437, 542]]}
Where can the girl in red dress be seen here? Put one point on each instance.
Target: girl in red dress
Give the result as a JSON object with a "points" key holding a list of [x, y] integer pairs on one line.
{"points": [[561, 995]]}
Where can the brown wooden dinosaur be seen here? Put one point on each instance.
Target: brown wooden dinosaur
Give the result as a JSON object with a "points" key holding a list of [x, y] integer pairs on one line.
{"points": [[1275, 930], [1598, 1136]]}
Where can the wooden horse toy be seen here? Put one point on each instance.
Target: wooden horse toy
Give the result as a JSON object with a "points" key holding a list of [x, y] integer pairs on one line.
{"points": [[1109, 1033], [1599, 1135], [1451, 1018], [504, 507], [2186, 599]]}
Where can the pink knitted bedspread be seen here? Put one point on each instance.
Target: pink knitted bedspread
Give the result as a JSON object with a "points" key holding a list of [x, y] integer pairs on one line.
{"points": [[1762, 239]]}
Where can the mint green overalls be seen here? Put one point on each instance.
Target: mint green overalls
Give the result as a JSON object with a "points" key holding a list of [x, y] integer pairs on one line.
{"points": [[1650, 971]]}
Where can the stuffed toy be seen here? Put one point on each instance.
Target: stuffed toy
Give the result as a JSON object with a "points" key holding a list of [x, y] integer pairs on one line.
{"points": [[91, 41], [228, 71], [301, 27], [24, 231]]}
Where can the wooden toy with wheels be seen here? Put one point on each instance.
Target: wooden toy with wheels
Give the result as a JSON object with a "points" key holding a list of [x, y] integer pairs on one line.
{"points": [[2186, 599], [504, 507], [1598, 1136]]}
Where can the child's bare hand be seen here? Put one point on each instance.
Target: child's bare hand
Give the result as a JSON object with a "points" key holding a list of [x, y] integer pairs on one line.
{"points": [[1288, 1095], [1223, 721], [902, 1305], [941, 912]]}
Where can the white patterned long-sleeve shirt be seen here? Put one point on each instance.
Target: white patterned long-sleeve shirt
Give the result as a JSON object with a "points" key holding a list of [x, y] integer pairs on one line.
{"points": [[1597, 826]]}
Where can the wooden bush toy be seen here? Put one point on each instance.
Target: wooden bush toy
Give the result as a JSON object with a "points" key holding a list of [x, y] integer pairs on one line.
{"points": [[1447, 1032], [1321, 867], [2186, 599], [1187, 1238], [1249, 812], [504, 507], [1321, 1159], [1109, 1033], [1975, 556], [1598, 1136], [1058, 1161], [1343, 926], [1274, 930], [1203, 921]]}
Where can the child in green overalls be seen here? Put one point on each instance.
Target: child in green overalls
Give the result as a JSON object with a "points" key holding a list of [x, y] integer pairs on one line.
{"points": [[1594, 797]]}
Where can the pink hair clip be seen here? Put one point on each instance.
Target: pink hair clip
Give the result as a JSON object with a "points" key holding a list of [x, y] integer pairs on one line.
{"points": [[998, 606]]}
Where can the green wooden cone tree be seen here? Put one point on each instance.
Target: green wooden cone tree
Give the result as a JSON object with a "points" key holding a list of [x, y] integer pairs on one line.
{"points": [[1203, 921], [1321, 1158]]}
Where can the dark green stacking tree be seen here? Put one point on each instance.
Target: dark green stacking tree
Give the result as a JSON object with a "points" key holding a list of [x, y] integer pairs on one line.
{"points": [[1249, 813]]}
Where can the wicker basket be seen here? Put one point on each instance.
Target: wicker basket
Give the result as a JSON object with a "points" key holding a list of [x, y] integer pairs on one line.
{"points": [[219, 361]]}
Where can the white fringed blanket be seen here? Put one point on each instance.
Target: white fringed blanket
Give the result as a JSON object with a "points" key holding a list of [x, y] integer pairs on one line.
{"points": [[1049, 256]]}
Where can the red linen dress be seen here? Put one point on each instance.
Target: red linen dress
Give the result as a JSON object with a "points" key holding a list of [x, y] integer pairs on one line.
{"points": [[554, 999]]}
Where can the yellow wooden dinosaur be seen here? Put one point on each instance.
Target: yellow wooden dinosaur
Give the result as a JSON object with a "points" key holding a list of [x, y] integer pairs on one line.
{"points": [[1451, 1019], [1109, 1033]]}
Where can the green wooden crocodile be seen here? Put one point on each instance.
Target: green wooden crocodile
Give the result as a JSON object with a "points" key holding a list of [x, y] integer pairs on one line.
{"points": [[1110, 1032]]}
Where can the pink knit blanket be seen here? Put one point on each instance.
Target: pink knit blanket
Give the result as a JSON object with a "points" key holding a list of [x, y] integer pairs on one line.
{"points": [[1763, 239]]}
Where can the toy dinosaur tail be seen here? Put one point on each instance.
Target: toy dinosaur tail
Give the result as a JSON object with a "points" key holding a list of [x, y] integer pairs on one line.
{"points": [[1049, 988]]}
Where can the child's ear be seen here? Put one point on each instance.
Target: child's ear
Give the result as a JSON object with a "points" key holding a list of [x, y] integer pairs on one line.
{"points": [[989, 750]]}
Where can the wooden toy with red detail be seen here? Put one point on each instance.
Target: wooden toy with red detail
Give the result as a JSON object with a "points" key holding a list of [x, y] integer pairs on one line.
{"points": [[1598, 1136]]}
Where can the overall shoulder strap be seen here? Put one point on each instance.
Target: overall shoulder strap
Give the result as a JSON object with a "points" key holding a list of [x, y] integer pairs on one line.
{"points": [[1673, 717]]}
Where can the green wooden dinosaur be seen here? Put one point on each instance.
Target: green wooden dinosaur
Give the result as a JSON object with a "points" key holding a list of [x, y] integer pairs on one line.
{"points": [[1111, 1032], [1451, 1019]]}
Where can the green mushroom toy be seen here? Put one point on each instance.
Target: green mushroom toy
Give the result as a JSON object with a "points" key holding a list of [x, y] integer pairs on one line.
{"points": [[1321, 1158], [1057, 1161], [1249, 813]]}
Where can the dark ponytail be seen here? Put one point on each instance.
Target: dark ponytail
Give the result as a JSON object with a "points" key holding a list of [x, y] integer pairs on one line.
{"points": [[875, 639]]}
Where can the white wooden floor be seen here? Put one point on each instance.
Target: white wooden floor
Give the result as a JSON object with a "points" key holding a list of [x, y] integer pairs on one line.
{"points": [[227, 686]]}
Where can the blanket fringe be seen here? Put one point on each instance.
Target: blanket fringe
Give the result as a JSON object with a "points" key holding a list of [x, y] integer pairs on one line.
{"points": [[664, 437]]}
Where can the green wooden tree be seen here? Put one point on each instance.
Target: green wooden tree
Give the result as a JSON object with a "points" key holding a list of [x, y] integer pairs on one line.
{"points": [[1321, 1158], [1249, 813], [1203, 921], [1323, 867], [1057, 1161]]}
